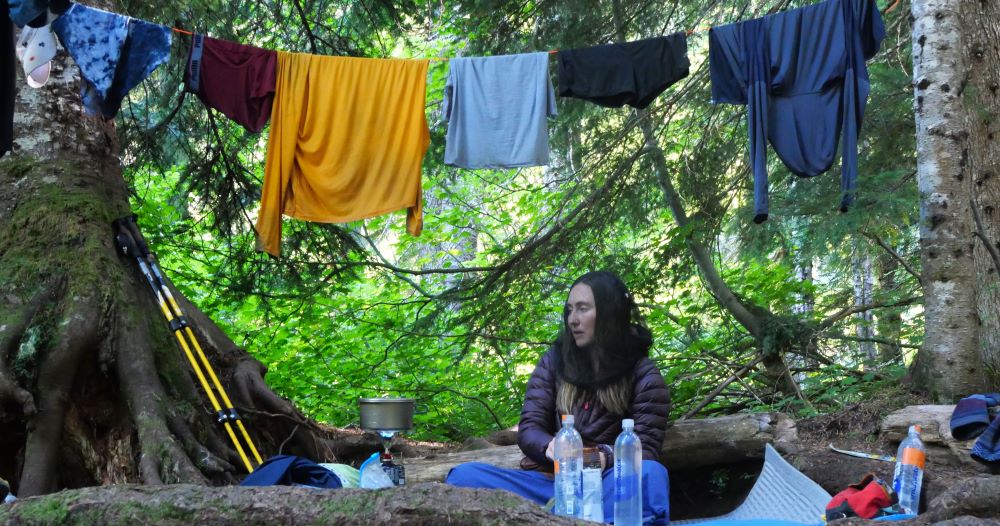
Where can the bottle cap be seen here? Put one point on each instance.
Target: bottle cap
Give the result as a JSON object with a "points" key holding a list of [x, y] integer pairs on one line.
{"points": [[628, 423], [915, 429], [568, 419]]}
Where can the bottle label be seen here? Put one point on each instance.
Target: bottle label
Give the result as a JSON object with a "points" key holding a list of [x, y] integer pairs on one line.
{"points": [[555, 470], [914, 457]]}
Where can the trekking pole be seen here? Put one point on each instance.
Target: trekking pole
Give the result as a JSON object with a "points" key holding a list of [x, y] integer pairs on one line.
{"points": [[144, 251], [130, 245]]}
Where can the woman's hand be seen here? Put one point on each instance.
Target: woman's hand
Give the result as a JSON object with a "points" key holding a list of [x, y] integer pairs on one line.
{"points": [[550, 450]]}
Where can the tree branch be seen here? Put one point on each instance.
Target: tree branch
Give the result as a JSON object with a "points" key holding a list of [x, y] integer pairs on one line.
{"points": [[980, 232], [895, 255], [725, 383], [854, 309]]}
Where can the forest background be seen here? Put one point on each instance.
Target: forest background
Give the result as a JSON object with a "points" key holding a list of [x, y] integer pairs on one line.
{"points": [[457, 317]]}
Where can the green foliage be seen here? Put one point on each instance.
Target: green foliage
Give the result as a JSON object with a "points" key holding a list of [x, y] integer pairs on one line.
{"points": [[457, 317]]}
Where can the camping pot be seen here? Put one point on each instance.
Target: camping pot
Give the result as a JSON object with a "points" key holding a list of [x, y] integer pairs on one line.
{"points": [[386, 414]]}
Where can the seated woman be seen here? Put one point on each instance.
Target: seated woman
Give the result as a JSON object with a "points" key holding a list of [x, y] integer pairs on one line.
{"points": [[598, 370]]}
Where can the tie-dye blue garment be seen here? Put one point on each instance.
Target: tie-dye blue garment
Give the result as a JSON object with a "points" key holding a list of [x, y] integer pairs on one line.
{"points": [[114, 52]]}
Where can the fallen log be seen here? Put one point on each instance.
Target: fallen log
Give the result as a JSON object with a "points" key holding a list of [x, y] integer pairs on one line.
{"points": [[186, 504], [935, 431], [688, 444]]}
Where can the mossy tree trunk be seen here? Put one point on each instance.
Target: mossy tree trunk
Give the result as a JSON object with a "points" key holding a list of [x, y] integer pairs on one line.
{"points": [[92, 387]]}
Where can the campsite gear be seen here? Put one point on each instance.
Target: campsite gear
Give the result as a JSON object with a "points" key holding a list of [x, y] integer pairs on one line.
{"points": [[802, 75], [131, 244], [538, 487], [909, 472], [388, 416], [987, 447], [497, 109], [568, 453], [865, 499], [632, 73], [290, 470], [628, 476], [859, 454], [396, 472], [593, 499], [350, 476], [372, 474], [972, 415], [347, 141], [781, 493]]}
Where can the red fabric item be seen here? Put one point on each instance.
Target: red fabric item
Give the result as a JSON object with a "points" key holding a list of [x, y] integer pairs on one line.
{"points": [[236, 79], [863, 499]]}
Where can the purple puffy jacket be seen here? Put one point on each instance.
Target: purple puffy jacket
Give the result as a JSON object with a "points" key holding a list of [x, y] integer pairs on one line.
{"points": [[539, 421]]}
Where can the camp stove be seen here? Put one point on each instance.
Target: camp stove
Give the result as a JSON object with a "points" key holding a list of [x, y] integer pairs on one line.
{"points": [[395, 471], [388, 416]]}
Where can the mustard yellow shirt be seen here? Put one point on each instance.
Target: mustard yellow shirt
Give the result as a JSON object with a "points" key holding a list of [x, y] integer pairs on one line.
{"points": [[348, 136]]}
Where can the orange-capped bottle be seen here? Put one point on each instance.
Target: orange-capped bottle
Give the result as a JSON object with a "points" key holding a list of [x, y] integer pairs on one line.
{"points": [[909, 474]]}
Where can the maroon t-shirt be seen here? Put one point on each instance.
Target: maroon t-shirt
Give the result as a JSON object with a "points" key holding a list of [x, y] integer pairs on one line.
{"points": [[235, 79]]}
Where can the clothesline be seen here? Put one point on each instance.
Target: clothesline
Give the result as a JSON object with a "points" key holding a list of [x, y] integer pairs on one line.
{"points": [[377, 118], [689, 32]]}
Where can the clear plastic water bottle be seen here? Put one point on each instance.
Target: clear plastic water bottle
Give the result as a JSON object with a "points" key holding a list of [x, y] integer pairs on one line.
{"points": [[568, 450], [909, 474], [628, 476], [593, 482]]}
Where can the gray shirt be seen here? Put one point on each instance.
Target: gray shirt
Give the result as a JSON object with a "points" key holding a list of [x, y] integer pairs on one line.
{"points": [[497, 110]]}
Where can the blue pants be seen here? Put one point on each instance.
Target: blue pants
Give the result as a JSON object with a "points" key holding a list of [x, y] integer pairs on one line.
{"points": [[538, 487]]}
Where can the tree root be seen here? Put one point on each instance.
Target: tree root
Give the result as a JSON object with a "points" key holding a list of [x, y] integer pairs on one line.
{"points": [[10, 338], [162, 458], [76, 335]]}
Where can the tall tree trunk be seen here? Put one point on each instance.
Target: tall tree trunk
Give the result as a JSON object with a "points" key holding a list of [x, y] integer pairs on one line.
{"points": [[948, 364], [889, 322], [864, 329], [92, 387], [981, 22]]}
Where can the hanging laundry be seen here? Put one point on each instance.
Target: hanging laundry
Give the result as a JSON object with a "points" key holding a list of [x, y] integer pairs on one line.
{"points": [[348, 136], [497, 110], [632, 73], [8, 78], [36, 47], [34, 13], [114, 52], [235, 79], [803, 77]]}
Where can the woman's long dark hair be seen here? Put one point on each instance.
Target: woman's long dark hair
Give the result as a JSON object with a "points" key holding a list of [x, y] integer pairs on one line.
{"points": [[620, 340]]}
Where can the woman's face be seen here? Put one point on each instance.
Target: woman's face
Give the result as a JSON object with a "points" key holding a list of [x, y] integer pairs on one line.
{"points": [[581, 314]]}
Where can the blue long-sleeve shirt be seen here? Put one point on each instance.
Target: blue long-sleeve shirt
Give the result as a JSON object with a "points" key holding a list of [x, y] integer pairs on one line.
{"points": [[802, 76]]}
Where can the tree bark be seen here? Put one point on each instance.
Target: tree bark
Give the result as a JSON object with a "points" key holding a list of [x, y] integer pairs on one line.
{"points": [[948, 364], [981, 94]]}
